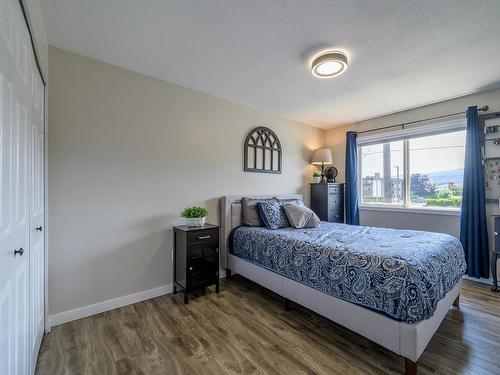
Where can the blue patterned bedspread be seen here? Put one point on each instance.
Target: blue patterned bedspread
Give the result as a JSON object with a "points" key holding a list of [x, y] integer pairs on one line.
{"points": [[401, 273]]}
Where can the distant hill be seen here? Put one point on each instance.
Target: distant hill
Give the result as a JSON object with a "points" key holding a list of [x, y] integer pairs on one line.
{"points": [[441, 177]]}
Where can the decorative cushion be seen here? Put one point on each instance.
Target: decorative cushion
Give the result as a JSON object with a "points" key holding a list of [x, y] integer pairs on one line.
{"points": [[299, 216], [292, 200], [273, 215], [249, 214]]}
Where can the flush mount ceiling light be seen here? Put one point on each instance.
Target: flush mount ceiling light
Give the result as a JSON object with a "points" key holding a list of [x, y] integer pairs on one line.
{"points": [[329, 64]]}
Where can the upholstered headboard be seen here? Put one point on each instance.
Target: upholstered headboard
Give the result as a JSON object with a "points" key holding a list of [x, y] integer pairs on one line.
{"points": [[230, 217]]}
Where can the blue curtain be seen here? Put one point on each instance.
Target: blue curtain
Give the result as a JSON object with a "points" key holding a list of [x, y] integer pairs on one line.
{"points": [[473, 230], [351, 179]]}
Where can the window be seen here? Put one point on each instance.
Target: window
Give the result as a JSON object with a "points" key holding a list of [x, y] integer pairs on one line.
{"points": [[382, 173], [420, 171]]}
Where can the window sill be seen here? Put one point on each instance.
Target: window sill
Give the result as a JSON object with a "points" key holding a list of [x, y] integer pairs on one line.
{"points": [[412, 210]]}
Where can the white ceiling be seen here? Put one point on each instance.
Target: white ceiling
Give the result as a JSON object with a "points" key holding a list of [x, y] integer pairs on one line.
{"points": [[403, 53]]}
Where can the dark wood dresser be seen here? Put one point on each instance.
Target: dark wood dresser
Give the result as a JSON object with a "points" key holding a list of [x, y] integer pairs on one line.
{"points": [[327, 201], [196, 258]]}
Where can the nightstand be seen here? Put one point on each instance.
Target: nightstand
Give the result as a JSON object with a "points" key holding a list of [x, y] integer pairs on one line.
{"points": [[327, 201], [196, 258]]}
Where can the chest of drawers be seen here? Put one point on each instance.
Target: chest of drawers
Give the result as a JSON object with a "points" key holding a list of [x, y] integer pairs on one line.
{"points": [[327, 201]]}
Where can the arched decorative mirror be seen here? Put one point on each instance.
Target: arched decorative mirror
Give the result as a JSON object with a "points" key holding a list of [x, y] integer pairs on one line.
{"points": [[262, 151]]}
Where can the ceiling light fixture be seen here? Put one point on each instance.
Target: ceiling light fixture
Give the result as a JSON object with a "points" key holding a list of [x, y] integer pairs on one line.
{"points": [[329, 64]]}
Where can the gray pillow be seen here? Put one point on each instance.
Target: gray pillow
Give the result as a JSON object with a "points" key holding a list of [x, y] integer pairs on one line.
{"points": [[249, 215], [300, 216], [291, 200]]}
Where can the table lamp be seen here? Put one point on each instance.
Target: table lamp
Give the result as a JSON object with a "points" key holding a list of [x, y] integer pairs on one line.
{"points": [[322, 156]]}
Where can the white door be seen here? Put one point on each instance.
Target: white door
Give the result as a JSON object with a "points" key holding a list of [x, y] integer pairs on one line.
{"points": [[16, 127], [6, 219], [6, 224], [37, 240]]}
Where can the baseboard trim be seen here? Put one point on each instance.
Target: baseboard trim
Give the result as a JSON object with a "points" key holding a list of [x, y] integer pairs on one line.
{"points": [[480, 280], [100, 307], [111, 304]]}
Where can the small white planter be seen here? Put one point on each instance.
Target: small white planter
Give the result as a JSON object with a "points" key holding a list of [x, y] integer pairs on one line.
{"points": [[196, 221], [316, 180]]}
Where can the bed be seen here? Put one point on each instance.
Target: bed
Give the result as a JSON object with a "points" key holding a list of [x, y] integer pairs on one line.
{"points": [[377, 282]]}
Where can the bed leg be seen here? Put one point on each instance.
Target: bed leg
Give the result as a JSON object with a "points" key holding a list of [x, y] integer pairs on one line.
{"points": [[288, 307], [228, 273], [410, 367], [456, 303]]}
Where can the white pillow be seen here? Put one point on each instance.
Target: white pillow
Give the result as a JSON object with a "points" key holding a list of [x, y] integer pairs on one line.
{"points": [[300, 216]]}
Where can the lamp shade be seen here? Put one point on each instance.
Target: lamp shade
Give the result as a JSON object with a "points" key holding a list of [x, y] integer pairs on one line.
{"points": [[322, 156]]}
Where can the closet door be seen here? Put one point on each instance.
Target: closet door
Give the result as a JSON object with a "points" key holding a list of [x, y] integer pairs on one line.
{"points": [[15, 178], [20, 193], [6, 218], [37, 240], [20, 236]]}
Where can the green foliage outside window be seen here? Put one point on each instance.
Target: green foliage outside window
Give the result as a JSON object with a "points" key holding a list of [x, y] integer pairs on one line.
{"points": [[444, 202]]}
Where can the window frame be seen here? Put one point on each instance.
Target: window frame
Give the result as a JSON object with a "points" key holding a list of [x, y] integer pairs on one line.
{"points": [[406, 201]]}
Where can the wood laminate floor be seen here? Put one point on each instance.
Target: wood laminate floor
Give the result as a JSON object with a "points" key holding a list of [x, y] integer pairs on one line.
{"points": [[245, 330]]}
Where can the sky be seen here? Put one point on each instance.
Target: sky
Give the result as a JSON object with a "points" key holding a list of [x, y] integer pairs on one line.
{"points": [[427, 154]]}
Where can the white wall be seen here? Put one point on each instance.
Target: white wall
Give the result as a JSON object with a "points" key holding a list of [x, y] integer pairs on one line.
{"points": [[126, 154]]}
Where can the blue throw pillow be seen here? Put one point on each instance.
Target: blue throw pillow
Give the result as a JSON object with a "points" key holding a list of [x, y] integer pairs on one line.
{"points": [[273, 215]]}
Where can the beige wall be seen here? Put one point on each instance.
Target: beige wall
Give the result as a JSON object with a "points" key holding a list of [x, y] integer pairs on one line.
{"points": [[126, 154]]}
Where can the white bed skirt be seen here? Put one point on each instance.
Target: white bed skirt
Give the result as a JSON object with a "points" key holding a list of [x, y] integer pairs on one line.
{"points": [[408, 340]]}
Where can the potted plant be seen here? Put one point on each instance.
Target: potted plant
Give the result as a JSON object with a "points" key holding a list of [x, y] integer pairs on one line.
{"points": [[316, 177], [195, 216]]}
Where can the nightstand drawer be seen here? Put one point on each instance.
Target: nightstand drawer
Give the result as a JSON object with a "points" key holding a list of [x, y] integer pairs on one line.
{"points": [[203, 237]]}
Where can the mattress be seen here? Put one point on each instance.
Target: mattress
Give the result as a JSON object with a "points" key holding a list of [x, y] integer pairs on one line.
{"points": [[400, 273]]}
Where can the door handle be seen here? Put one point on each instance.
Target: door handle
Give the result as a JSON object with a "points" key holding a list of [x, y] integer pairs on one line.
{"points": [[20, 252], [38, 229]]}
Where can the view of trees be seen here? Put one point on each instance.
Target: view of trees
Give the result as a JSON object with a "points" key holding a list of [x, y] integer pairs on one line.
{"points": [[424, 191], [421, 186]]}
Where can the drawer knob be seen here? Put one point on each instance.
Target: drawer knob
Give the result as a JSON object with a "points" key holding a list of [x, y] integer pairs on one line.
{"points": [[203, 237], [496, 233], [190, 268]]}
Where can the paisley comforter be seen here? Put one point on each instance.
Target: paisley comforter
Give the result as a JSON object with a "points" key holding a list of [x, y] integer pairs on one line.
{"points": [[401, 273]]}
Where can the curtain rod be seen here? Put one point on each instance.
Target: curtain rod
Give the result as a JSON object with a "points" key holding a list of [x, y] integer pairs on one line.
{"points": [[483, 108]]}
